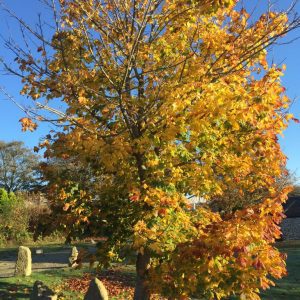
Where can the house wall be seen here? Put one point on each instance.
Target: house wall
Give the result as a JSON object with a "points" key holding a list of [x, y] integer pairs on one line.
{"points": [[290, 228]]}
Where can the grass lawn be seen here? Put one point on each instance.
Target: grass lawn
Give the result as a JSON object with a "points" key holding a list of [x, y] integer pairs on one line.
{"points": [[68, 283], [20, 287], [287, 288]]}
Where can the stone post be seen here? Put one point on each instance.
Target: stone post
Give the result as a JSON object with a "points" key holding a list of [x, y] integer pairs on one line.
{"points": [[23, 264], [96, 291]]}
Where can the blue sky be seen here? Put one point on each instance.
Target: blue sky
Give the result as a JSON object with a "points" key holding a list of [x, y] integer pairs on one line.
{"points": [[10, 128]]}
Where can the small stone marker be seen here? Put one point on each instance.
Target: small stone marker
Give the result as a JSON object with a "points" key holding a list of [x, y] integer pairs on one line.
{"points": [[23, 264], [73, 257], [96, 291], [39, 251], [41, 292]]}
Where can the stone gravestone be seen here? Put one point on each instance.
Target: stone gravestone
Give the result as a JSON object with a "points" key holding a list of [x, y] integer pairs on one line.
{"points": [[96, 291], [42, 292], [23, 264], [73, 257]]}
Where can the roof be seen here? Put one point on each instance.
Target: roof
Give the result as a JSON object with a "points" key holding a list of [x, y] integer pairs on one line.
{"points": [[292, 207]]}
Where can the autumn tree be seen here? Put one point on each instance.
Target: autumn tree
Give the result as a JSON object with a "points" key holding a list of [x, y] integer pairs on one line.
{"points": [[166, 99], [18, 167]]}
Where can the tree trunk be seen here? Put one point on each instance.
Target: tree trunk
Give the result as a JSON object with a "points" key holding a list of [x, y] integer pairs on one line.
{"points": [[141, 291]]}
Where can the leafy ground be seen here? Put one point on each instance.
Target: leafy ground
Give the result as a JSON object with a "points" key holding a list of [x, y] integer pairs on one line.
{"points": [[72, 284], [51, 268], [20, 287], [69, 284]]}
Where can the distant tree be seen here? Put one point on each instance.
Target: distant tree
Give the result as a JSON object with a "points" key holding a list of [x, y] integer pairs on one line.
{"points": [[296, 191], [235, 197], [18, 167], [74, 176], [56, 169]]}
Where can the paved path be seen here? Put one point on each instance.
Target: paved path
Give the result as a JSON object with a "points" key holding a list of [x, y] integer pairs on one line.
{"points": [[40, 262]]}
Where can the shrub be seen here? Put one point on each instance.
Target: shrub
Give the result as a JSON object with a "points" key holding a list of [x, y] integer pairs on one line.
{"points": [[14, 217]]}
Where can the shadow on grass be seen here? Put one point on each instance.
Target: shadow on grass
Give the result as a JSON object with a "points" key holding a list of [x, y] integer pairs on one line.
{"points": [[21, 287], [14, 291]]}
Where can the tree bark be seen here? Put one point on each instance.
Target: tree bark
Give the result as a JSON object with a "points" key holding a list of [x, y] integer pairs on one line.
{"points": [[141, 290]]}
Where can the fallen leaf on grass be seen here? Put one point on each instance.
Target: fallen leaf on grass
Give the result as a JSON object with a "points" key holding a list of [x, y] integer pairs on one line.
{"points": [[115, 282]]}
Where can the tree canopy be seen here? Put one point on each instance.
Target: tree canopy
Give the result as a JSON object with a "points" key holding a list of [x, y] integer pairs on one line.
{"points": [[18, 167], [166, 99]]}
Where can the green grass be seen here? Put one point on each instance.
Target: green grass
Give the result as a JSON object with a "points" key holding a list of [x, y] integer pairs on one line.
{"points": [[287, 288], [21, 287]]}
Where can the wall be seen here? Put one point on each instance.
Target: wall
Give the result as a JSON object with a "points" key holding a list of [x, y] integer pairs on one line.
{"points": [[290, 228]]}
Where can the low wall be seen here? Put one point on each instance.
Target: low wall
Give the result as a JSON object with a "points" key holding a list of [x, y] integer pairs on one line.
{"points": [[290, 228]]}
